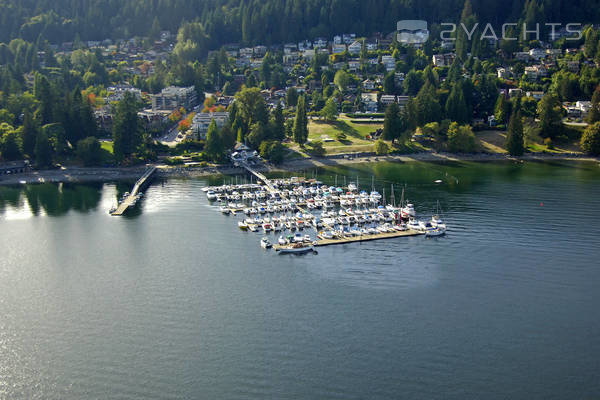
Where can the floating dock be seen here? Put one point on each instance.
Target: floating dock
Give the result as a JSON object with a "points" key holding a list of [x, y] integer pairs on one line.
{"points": [[367, 238]]}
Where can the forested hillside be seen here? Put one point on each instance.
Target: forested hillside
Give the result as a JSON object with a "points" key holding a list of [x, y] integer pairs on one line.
{"points": [[254, 21]]}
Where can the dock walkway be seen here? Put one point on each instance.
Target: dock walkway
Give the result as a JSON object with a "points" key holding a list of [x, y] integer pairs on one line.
{"points": [[131, 199], [366, 238]]}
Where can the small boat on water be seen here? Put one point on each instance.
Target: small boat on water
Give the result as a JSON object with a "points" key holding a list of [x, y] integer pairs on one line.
{"points": [[243, 225], [225, 210], [211, 195], [283, 241], [295, 248], [438, 231], [413, 224], [265, 243], [253, 228]]}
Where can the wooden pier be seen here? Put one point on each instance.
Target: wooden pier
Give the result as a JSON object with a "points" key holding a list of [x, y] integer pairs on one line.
{"points": [[367, 238], [130, 200]]}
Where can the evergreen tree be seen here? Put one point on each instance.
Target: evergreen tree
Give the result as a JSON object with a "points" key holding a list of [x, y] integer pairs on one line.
{"points": [[594, 115], [514, 138], [43, 151], [291, 98], [278, 126], [330, 111], [456, 106], [44, 93], [502, 109], [300, 130], [9, 145], [214, 146], [590, 141], [392, 123], [126, 135], [550, 115], [28, 135]]}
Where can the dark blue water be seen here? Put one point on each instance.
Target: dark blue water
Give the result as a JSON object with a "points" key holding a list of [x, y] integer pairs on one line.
{"points": [[175, 302]]}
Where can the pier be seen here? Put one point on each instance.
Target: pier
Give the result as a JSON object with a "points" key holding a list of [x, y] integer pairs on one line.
{"points": [[130, 200], [367, 238], [261, 177]]}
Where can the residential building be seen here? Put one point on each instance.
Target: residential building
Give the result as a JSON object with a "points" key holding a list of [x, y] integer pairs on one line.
{"points": [[369, 100], [290, 48], [338, 48], [537, 54], [537, 95], [355, 48], [320, 43], [348, 38], [174, 97], [388, 62], [202, 121], [443, 60], [259, 51], [353, 65], [515, 92], [368, 84]]}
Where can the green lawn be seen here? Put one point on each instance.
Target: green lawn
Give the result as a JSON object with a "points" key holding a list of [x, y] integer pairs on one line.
{"points": [[355, 135]]}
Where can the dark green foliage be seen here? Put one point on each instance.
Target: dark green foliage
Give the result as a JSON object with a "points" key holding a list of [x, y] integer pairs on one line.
{"points": [[514, 137], [126, 129], [300, 129], [590, 141], [89, 151], [43, 150], [28, 135], [550, 115], [394, 123], [272, 151], [461, 138]]}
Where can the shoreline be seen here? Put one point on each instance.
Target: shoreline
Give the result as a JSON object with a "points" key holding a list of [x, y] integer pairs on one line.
{"points": [[101, 174]]}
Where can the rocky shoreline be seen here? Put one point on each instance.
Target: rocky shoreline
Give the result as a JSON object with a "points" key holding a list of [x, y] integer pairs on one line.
{"points": [[80, 174]]}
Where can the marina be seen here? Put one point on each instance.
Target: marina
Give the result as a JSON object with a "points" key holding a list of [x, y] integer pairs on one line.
{"points": [[336, 215]]}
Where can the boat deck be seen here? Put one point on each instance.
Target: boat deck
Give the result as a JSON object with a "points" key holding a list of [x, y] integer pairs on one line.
{"points": [[366, 238]]}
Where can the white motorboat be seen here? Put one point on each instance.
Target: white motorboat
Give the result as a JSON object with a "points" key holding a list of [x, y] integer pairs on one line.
{"points": [[295, 248], [211, 195], [225, 210], [439, 231], [267, 227], [283, 241], [413, 224], [265, 243], [243, 225]]}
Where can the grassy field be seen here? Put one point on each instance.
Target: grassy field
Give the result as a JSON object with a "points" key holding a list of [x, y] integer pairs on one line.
{"points": [[355, 140], [495, 142]]}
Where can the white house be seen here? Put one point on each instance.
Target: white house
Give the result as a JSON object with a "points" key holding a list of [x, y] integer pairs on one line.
{"points": [[338, 48], [355, 48], [388, 62], [368, 84], [370, 101]]}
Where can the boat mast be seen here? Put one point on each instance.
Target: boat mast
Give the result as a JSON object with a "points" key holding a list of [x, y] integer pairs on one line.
{"points": [[402, 199], [393, 197]]}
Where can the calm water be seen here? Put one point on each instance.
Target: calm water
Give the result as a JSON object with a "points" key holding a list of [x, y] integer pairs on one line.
{"points": [[175, 302]]}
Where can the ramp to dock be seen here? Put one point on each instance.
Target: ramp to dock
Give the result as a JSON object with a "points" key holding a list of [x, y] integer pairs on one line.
{"points": [[131, 199]]}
